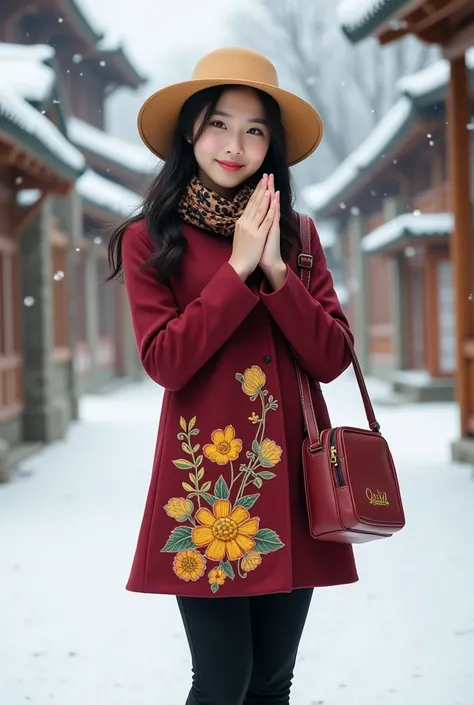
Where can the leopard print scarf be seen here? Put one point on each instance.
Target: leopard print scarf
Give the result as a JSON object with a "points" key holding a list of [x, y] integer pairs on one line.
{"points": [[205, 209]]}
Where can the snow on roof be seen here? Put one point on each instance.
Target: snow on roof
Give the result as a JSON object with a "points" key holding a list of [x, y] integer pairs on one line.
{"points": [[392, 124], [408, 224], [431, 78], [23, 68], [17, 111], [133, 157], [356, 14], [107, 194]]}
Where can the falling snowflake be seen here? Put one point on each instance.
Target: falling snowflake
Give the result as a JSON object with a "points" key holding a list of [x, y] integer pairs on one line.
{"points": [[78, 249], [409, 252], [60, 20], [355, 210], [58, 276], [77, 58], [342, 206], [98, 240], [29, 301], [470, 126], [103, 63], [471, 297], [416, 213], [18, 180]]}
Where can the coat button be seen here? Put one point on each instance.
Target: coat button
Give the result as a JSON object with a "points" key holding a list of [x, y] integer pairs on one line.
{"points": [[267, 358]]}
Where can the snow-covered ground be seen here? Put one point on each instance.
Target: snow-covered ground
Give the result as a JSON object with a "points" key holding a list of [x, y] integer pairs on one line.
{"points": [[71, 634]]}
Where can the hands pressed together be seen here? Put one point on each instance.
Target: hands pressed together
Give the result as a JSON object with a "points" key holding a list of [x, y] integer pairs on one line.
{"points": [[257, 235]]}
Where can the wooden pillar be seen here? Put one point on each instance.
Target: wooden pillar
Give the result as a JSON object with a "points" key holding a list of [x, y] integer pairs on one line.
{"points": [[461, 245]]}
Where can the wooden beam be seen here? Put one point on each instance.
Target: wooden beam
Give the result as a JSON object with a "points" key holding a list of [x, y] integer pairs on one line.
{"points": [[24, 216], [459, 43], [461, 243]]}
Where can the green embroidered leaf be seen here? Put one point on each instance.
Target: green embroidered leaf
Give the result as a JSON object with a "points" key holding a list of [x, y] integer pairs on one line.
{"points": [[179, 540], [198, 461], [255, 446], [192, 478], [192, 423], [265, 463], [270, 398], [186, 448], [258, 482], [206, 486], [214, 587], [200, 474], [187, 487], [183, 464], [196, 448], [221, 490], [209, 498], [181, 436], [240, 378], [194, 432], [267, 541], [182, 423], [228, 570], [247, 501], [265, 475]]}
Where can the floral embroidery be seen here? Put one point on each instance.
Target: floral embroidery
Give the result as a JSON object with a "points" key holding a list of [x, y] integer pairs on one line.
{"points": [[251, 561], [189, 565], [224, 531]]}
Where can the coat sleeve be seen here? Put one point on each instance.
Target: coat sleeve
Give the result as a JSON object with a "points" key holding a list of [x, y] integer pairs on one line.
{"points": [[307, 319], [174, 346]]}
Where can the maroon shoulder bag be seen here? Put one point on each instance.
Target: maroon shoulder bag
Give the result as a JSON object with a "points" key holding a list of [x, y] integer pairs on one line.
{"points": [[352, 490]]}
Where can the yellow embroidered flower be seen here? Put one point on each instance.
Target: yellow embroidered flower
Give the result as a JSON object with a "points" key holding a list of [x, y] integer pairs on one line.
{"points": [[251, 561], [179, 508], [217, 576], [225, 531], [254, 380], [255, 418], [269, 452], [224, 447], [189, 565]]}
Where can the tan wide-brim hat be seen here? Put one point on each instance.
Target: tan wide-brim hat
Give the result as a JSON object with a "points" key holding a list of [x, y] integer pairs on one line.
{"points": [[159, 114]]}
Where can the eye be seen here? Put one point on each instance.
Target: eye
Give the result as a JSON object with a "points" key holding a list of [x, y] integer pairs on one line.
{"points": [[217, 123], [256, 131]]}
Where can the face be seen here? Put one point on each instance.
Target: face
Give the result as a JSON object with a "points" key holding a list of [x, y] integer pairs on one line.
{"points": [[235, 142]]}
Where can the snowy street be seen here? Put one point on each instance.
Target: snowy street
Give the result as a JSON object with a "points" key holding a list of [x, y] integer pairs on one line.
{"points": [[72, 635]]}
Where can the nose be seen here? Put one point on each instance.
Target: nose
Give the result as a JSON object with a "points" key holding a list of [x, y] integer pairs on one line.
{"points": [[234, 144]]}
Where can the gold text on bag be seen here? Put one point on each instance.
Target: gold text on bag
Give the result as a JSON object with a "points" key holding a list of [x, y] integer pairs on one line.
{"points": [[378, 498]]}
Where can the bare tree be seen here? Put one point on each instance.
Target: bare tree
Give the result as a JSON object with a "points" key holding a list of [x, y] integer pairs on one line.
{"points": [[351, 85]]}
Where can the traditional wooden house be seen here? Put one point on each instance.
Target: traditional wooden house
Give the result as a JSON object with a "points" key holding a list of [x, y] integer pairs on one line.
{"points": [[80, 325], [450, 24], [390, 200], [36, 163]]}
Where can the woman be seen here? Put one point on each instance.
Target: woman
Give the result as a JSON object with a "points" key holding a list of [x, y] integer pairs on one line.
{"points": [[220, 315]]}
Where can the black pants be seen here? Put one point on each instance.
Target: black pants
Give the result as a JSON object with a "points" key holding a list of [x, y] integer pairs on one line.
{"points": [[244, 648]]}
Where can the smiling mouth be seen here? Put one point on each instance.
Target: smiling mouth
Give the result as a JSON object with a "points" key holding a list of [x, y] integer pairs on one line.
{"points": [[230, 166]]}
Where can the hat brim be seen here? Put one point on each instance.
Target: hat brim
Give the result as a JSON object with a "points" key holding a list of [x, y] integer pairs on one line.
{"points": [[159, 114]]}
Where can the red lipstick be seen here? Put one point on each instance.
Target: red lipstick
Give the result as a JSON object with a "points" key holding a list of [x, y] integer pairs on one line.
{"points": [[230, 166]]}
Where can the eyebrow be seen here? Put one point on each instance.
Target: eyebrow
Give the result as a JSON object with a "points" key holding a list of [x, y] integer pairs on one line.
{"points": [[222, 113]]}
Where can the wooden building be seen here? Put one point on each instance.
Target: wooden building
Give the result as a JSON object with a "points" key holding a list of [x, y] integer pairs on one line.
{"points": [[63, 183], [450, 24]]}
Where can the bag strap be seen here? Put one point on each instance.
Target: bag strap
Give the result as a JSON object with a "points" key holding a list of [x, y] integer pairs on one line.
{"points": [[305, 264]]}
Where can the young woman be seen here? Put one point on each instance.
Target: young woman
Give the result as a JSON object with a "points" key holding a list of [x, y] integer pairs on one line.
{"points": [[220, 316]]}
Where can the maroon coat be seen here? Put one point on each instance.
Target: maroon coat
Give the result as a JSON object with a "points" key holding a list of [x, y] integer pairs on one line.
{"points": [[225, 513]]}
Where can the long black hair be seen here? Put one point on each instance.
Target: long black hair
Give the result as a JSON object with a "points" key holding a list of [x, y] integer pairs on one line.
{"points": [[160, 205]]}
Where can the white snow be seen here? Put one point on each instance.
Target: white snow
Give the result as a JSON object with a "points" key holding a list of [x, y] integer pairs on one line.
{"points": [[71, 634], [23, 69], [18, 111], [418, 378], [135, 157], [327, 233], [318, 195], [431, 78], [107, 194], [408, 224], [353, 13]]}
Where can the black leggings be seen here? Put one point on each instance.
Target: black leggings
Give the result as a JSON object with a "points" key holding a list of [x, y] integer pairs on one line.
{"points": [[244, 648]]}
